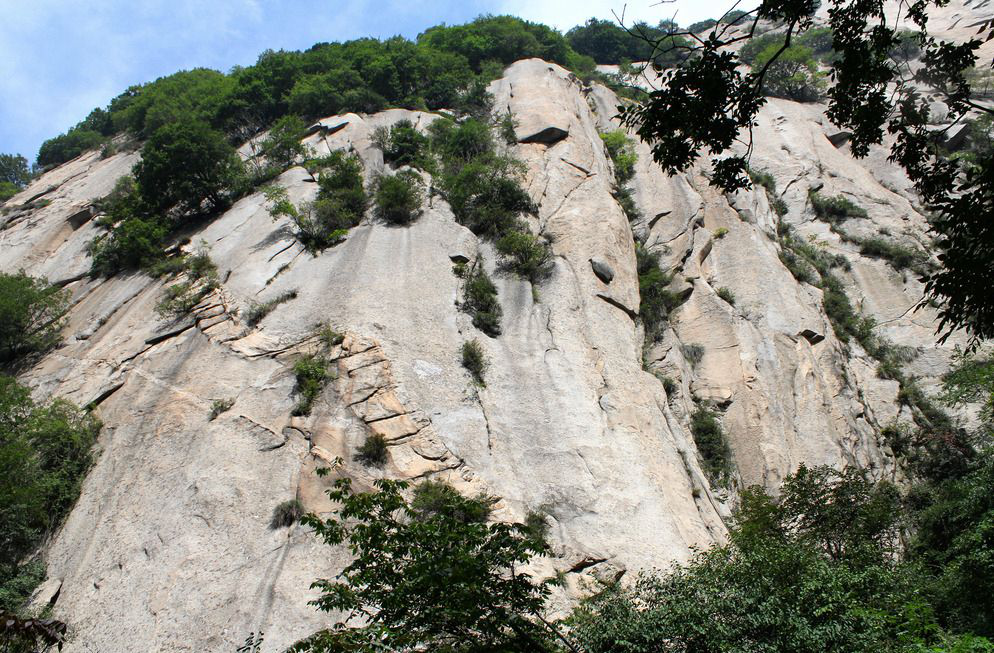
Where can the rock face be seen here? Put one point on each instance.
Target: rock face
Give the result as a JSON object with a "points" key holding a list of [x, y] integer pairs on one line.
{"points": [[169, 547]]}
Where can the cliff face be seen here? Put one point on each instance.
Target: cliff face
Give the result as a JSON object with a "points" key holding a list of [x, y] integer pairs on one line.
{"points": [[169, 547]]}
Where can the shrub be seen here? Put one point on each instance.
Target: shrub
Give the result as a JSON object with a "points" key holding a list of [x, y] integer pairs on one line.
{"points": [[794, 75], [286, 514], [694, 353], [257, 311], [282, 146], [900, 257], [526, 255], [219, 406], [907, 47], [505, 128], [621, 149], [480, 301], [457, 144], [846, 322], [720, 233], [764, 179], [474, 360], [436, 498], [330, 337], [46, 449], [623, 195], [402, 144], [486, 195], [834, 209], [340, 205], [726, 295], [32, 314], [779, 206], [536, 526], [312, 375], [373, 451], [179, 299], [398, 198], [798, 267], [657, 301], [669, 385], [134, 243], [716, 457]]}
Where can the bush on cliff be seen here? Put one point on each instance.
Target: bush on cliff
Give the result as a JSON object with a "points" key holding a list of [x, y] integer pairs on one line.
{"points": [[32, 313], [45, 452]]}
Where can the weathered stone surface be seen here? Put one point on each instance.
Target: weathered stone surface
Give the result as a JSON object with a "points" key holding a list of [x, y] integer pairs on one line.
{"points": [[169, 548]]}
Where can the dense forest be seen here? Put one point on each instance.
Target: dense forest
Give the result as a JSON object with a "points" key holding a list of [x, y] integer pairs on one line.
{"points": [[835, 562]]}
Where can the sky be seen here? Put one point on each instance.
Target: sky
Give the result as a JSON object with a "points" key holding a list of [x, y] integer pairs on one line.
{"points": [[61, 58]]}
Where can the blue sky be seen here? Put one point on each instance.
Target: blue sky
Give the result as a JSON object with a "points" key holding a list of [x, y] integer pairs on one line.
{"points": [[61, 58]]}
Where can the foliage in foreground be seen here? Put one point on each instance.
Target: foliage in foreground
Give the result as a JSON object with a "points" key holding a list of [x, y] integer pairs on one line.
{"points": [[812, 572], [428, 574]]}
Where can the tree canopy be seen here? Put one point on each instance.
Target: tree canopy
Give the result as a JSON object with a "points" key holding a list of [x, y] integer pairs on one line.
{"points": [[31, 316]]}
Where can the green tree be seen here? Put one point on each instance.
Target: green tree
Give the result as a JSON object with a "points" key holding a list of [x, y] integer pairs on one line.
{"points": [[45, 452], [68, 146], [811, 572], [402, 144], [607, 42], [7, 190], [32, 313], [398, 198], [189, 166], [14, 170], [282, 146], [427, 574]]}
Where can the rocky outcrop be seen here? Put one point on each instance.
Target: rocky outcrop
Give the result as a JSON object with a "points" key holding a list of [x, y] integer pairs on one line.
{"points": [[169, 547]]}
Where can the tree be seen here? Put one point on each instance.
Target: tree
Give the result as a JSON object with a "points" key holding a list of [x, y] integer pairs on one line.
{"points": [[189, 166], [14, 170], [398, 197], [31, 316], [707, 103], [68, 146], [45, 452], [814, 571], [282, 145], [7, 190], [428, 574]]}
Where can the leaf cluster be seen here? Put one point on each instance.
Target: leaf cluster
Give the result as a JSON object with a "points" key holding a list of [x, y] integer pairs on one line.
{"points": [[32, 314]]}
